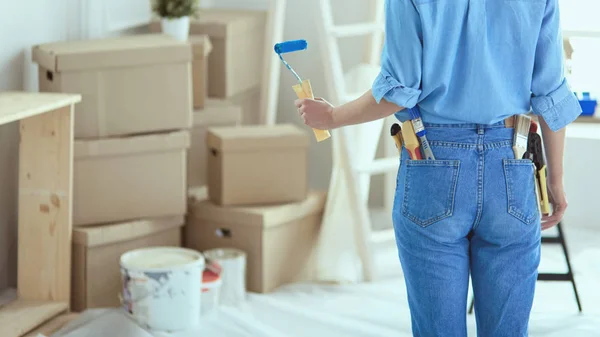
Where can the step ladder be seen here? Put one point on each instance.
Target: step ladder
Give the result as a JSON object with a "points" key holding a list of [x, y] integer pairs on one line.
{"points": [[354, 147]]}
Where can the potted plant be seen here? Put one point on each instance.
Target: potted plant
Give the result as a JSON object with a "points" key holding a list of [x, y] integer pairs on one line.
{"points": [[175, 16]]}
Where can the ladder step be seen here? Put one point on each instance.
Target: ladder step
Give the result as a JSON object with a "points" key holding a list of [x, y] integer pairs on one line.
{"points": [[379, 166], [550, 240], [383, 236], [554, 277], [357, 29]]}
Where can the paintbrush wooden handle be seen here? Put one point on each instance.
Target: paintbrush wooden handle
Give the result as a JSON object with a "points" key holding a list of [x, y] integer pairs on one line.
{"points": [[415, 153], [544, 200], [411, 143], [304, 90]]}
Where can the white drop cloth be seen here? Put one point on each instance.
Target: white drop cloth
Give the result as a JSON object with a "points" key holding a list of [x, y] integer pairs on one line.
{"points": [[376, 309]]}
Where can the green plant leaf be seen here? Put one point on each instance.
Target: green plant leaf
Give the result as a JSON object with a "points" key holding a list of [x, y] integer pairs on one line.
{"points": [[173, 9]]}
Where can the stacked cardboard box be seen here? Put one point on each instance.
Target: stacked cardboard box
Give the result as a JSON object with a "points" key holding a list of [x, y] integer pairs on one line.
{"points": [[132, 134], [216, 113], [236, 60], [258, 201], [207, 112]]}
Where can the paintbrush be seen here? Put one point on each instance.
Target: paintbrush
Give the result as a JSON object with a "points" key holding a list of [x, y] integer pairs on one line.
{"points": [[396, 133], [411, 143], [534, 147], [420, 131], [521, 133]]}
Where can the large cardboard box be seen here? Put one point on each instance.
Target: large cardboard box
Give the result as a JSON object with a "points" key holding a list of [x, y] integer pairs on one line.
{"points": [[96, 276], [249, 101], [279, 240], [215, 113], [238, 39], [257, 164], [131, 84], [117, 179], [201, 49]]}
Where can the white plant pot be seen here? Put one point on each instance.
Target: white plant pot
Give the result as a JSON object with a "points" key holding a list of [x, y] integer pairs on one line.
{"points": [[178, 28]]}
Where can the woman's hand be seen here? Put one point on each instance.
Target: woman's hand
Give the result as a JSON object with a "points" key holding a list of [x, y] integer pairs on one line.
{"points": [[319, 114], [554, 143], [316, 113], [558, 200]]}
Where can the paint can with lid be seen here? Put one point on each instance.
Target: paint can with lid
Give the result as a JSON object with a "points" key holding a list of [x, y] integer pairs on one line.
{"points": [[211, 288], [160, 287], [233, 263]]}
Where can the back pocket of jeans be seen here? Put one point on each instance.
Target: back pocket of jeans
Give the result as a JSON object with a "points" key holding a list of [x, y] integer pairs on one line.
{"points": [[521, 189], [429, 190]]}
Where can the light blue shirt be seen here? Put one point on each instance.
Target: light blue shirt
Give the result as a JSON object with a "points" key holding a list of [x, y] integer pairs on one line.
{"points": [[475, 61]]}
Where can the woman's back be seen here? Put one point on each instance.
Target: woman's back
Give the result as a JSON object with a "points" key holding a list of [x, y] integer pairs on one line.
{"points": [[473, 61]]}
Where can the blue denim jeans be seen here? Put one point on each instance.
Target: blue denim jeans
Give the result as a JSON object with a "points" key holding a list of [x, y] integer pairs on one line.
{"points": [[473, 211]]}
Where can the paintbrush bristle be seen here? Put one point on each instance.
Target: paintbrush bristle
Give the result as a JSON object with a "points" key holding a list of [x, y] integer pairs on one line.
{"points": [[395, 129], [521, 134]]}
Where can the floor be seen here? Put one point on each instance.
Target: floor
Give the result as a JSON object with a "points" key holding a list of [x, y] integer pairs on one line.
{"points": [[378, 309]]}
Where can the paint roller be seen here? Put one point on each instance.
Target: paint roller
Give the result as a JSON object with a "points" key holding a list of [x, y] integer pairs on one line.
{"points": [[303, 89]]}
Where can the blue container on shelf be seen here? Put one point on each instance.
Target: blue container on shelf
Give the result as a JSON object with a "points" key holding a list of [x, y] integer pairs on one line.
{"points": [[588, 105]]}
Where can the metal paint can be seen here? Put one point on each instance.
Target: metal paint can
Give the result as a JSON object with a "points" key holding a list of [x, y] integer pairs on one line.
{"points": [[161, 287]]}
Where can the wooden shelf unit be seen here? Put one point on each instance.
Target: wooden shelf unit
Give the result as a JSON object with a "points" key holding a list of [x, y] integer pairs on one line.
{"points": [[45, 208], [52, 326]]}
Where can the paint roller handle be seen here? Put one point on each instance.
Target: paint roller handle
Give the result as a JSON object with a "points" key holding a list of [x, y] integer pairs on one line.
{"points": [[304, 90]]}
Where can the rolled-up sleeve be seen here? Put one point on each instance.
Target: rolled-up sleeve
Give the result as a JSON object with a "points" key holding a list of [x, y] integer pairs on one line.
{"points": [[399, 80], [551, 96]]}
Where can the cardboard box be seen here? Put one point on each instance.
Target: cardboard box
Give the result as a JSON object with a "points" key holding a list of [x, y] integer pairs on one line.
{"points": [[238, 39], [201, 49], [216, 113], [279, 239], [96, 277], [118, 179], [257, 165], [249, 101], [130, 85]]}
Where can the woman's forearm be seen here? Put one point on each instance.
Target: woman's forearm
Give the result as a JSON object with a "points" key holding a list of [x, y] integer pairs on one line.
{"points": [[363, 109], [554, 145]]}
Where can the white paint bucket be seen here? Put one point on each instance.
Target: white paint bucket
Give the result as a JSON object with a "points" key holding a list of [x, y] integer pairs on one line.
{"points": [[160, 287], [233, 262], [211, 288]]}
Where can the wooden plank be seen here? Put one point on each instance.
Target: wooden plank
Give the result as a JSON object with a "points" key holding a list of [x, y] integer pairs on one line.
{"points": [[21, 316], [52, 326], [15, 106], [45, 209]]}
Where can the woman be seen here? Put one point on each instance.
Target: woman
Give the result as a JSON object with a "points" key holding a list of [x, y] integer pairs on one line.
{"points": [[469, 66]]}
